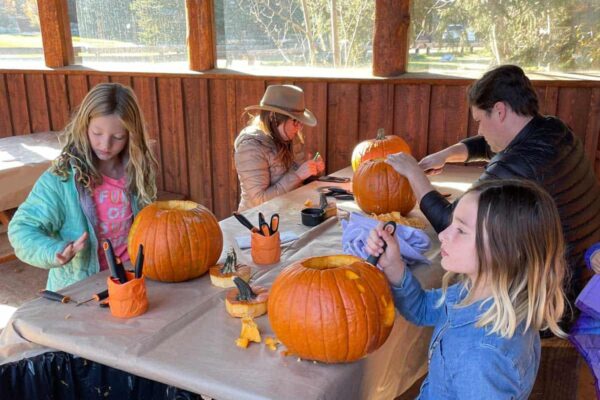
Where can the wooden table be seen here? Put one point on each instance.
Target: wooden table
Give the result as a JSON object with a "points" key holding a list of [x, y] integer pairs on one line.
{"points": [[186, 339]]}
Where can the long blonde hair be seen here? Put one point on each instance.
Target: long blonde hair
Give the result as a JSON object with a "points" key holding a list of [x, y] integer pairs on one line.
{"points": [[521, 253], [268, 122], [109, 99]]}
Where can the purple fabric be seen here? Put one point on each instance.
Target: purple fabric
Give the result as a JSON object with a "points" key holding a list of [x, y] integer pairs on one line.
{"points": [[588, 300], [589, 253], [585, 333], [413, 242], [588, 346]]}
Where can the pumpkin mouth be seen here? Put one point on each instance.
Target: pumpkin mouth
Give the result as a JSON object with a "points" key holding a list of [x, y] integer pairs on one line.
{"points": [[177, 205], [329, 262]]}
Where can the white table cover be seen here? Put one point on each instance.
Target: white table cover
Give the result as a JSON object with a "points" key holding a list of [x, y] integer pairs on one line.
{"points": [[186, 338]]}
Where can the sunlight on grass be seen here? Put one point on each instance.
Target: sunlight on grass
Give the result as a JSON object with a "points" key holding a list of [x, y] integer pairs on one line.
{"points": [[32, 41], [5, 313]]}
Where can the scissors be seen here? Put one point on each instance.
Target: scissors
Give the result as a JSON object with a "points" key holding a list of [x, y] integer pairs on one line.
{"points": [[274, 225], [336, 192]]}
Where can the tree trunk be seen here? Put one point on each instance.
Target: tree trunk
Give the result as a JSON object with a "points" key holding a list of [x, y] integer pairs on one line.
{"points": [[309, 36], [390, 39], [335, 46], [494, 45]]}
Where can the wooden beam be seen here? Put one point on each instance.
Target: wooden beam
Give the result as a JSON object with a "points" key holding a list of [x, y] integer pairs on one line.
{"points": [[390, 39], [201, 37], [56, 32]]}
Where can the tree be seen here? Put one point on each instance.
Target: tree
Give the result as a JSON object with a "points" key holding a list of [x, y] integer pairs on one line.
{"points": [[160, 21], [325, 32]]}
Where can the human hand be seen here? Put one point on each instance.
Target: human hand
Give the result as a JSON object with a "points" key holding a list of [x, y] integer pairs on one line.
{"points": [[433, 164], [595, 262], [72, 249], [404, 164], [307, 169], [390, 260], [320, 163]]}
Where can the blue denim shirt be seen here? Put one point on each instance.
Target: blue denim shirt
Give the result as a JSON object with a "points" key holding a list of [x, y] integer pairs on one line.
{"points": [[466, 362]]}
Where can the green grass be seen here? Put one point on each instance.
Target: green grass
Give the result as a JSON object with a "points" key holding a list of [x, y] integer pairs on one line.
{"points": [[32, 41]]}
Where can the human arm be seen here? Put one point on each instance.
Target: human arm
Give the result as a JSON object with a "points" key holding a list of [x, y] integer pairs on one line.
{"points": [[415, 304], [477, 149], [436, 208], [434, 163], [253, 169], [34, 231]]}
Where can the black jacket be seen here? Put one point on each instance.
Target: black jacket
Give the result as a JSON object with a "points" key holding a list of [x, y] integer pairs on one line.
{"points": [[547, 152]]}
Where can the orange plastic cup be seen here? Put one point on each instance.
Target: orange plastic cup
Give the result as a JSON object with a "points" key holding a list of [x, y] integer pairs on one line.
{"points": [[129, 299], [265, 249]]}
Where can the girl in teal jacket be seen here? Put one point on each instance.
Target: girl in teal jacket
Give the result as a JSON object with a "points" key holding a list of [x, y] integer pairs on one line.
{"points": [[65, 215]]}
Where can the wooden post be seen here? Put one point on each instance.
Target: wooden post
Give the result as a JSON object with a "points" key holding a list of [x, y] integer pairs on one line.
{"points": [[201, 37], [56, 32], [390, 39]]}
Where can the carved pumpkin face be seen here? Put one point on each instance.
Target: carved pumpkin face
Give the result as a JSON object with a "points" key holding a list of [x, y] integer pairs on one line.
{"points": [[378, 189], [331, 309], [379, 147], [181, 239]]}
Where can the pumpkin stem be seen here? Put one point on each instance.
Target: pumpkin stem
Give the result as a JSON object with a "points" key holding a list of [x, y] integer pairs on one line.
{"points": [[380, 134], [244, 289], [230, 265]]}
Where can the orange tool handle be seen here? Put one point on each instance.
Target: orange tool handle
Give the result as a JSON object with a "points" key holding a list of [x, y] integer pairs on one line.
{"points": [[50, 295]]}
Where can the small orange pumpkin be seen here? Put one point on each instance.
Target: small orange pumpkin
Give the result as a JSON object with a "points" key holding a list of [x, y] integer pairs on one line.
{"points": [[379, 147], [181, 240], [379, 189], [331, 309]]}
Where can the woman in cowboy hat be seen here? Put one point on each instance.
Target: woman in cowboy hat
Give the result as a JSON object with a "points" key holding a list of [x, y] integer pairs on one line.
{"points": [[269, 152]]}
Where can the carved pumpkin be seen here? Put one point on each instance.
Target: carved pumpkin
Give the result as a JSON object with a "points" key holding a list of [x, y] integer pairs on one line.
{"points": [[331, 309], [181, 240], [378, 189], [379, 147]]}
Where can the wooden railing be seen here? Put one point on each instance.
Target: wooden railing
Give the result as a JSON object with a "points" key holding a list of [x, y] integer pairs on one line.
{"points": [[194, 118]]}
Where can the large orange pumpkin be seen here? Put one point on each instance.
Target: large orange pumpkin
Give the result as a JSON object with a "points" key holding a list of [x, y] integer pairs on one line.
{"points": [[331, 309], [378, 189], [379, 147], [181, 239]]}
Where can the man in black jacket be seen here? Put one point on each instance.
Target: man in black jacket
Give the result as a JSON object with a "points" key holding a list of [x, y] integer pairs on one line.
{"points": [[518, 143]]}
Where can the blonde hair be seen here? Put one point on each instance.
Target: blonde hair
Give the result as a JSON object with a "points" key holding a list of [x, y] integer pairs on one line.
{"points": [[521, 253], [109, 99], [268, 122]]}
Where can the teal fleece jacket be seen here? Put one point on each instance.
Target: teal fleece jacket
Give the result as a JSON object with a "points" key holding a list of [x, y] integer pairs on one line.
{"points": [[54, 214]]}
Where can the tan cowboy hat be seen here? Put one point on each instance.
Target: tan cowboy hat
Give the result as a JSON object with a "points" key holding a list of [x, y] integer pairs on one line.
{"points": [[287, 100]]}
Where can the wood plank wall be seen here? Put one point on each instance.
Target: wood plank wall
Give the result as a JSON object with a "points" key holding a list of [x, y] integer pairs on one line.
{"points": [[194, 119]]}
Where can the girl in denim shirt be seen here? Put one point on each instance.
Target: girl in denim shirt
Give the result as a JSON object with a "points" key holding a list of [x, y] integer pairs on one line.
{"points": [[504, 254]]}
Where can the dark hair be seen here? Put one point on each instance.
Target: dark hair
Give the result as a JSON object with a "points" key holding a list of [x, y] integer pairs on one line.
{"points": [[508, 84]]}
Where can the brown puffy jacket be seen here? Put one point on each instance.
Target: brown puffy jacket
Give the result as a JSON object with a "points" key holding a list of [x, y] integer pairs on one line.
{"points": [[261, 171]]}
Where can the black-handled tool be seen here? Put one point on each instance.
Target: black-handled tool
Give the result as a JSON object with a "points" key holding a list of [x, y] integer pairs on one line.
{"points": [[98, 297], [389, 226], [50, 295], [120, 270], [330, 178], [244, 221], [261, 222], [139, 262], [116, 271]]}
